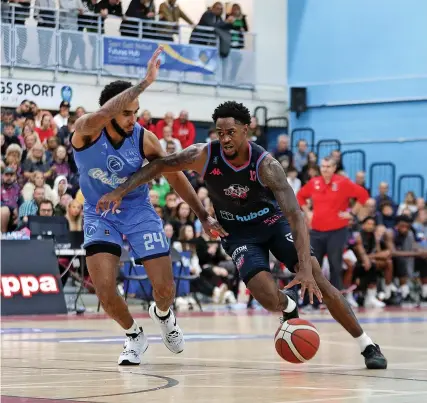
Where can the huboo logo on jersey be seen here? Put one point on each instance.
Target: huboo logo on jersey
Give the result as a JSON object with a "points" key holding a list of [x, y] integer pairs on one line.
{"points": [[114, 165], [253, 215]]}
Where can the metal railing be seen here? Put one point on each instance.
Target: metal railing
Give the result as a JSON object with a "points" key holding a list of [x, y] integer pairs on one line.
{"points": [[63, 40]]}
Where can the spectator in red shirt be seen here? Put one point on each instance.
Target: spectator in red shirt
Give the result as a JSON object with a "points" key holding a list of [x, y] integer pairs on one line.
{"points": [[45, 130], [184, 130], [331, 194], [167, 121], [146, 121]]}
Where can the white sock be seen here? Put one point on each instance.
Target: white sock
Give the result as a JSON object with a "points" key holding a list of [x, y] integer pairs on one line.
{"points": [[291, 305], [133, 329], [160, 313], [388, 288], [404, 290], [364, 341], [424, 291]]}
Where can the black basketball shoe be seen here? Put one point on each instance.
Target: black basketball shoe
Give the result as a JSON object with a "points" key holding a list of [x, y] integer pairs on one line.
{"points": [[374, 358], [294, 314]]}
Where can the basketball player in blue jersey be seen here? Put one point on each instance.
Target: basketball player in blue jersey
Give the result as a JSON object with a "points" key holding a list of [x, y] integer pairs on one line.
{"points": [[109, 146], [256, 206]]}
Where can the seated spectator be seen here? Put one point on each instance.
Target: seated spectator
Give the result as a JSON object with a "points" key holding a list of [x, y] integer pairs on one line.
{"points": [[166, 121], [13, 158], [159, 211], [45, 209], [369, 210], [295, 183], [195, 179], [26, 131], [282, 153], [170, 147], [162, 187], [61, 207], [45, 130], [154, 197], [37, 180], [336, 156], [183, 216], [383, 195], [60, 164], [211, 18], [168, 232], [203, 193], [36, 161], [301, 156], [185, 242], [9, 136], [171, 203], [372, 258], [74, 216], [64, 133], [60, 187], [29, 142], [184, 130], [256, 133], [52, 143], [167, 137], [409, 203], [30, 207], [9, 198], [310, 171], [386, 215], [421, 203], [420, 227], [61, 118], [146, 121], [402, 243], [212, 135], [361, 180]]}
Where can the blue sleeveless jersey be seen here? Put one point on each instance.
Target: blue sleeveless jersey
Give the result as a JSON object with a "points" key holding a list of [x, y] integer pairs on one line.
{"points": [[103, 167]]}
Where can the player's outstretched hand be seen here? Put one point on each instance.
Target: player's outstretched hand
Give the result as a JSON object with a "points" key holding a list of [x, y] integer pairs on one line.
{"points": [[110, 201], [153, 66], [212, 226], [306, 279]]}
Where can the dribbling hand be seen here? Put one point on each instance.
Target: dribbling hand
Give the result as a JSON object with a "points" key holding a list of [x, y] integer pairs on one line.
{"points": [[213, 227], [306, 279]]}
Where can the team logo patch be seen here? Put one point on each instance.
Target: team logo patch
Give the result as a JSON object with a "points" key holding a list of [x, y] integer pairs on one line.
{"points": [[237, 191], [114, 164], [90, 229]]}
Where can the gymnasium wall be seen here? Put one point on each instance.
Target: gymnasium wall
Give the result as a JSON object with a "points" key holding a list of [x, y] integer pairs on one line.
{"points": [[364, 64]]}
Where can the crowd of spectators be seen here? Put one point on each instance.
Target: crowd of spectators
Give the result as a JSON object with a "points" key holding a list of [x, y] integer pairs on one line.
{"points": [[386, 249], [385, 256], [140, 20]]}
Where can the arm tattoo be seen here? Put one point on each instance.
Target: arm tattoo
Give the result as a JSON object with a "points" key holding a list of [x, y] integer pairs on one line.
{"points": [[171, 163], [273, 176], [94, 122]]}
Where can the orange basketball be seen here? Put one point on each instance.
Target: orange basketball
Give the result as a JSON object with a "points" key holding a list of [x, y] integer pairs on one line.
{"points": [[297, 341]]}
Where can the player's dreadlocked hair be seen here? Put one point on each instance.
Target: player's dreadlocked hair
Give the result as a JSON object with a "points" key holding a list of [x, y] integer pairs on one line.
{"points": [[113, 89], [232, 109]]}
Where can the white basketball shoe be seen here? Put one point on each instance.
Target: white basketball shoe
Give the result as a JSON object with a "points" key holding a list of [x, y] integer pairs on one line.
{"points": [[134, 347], [171, 333]]}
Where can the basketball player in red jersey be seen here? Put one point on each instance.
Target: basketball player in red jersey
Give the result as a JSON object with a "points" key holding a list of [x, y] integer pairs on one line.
{"points": [[258, 212]]}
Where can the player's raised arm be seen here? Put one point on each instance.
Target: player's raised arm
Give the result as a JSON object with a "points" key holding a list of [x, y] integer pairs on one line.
{"points": [[272, 175], [90, 125], [193, 157]]}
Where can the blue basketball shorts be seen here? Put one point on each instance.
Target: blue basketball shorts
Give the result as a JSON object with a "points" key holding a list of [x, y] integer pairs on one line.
{"points": [[141, 226], [250, 248]]}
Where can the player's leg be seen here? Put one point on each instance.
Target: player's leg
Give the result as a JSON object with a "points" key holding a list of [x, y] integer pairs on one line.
{"points": [[252, 262], [150, 248], [282, 247], [103, 250]]}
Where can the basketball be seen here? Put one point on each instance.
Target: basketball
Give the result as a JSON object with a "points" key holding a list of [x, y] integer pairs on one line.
{"points": [[297, 341]]}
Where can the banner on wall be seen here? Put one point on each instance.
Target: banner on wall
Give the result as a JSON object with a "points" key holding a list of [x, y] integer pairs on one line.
{"points": [[193, 58], [47, 95]]}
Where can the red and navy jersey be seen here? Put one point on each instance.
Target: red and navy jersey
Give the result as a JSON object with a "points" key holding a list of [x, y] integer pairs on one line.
{"points": [[237, 194]]}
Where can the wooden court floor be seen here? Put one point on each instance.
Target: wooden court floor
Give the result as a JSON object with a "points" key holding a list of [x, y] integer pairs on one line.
{"points": [[229, 357]]}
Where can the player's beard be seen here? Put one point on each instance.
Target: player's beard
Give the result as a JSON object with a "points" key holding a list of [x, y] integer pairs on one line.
{"points": [[119, 130]]}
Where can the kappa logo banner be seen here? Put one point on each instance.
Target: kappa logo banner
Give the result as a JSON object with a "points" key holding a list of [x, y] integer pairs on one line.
{"points": [[30, 286]]}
